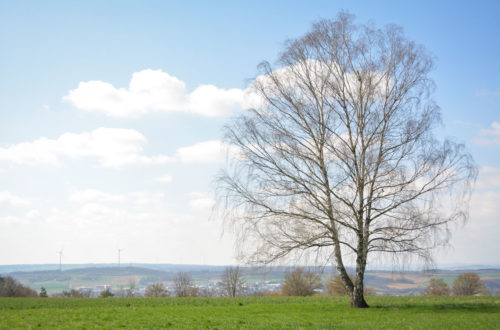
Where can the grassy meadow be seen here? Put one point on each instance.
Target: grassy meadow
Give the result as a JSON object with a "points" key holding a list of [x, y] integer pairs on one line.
{"points": [[267, 312]]}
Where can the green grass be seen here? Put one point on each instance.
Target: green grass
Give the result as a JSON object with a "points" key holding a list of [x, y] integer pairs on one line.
{"points": [[267, 312]]}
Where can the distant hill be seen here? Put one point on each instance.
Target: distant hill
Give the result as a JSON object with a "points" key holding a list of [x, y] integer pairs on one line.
{"points": [[92, 275]]}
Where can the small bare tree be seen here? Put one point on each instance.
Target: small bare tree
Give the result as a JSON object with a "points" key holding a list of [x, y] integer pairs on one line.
{"points": [[233, 282], [338, 158], [301, 283], [183, 285], [437, 287], [468, 284], [131, 290], [156, 290]]}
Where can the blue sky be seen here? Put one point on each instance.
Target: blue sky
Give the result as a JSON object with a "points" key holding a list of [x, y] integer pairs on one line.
{"points": [[141, 179]]}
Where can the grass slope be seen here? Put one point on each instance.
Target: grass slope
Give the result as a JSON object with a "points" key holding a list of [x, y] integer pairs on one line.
{"points": [[268, 312]]}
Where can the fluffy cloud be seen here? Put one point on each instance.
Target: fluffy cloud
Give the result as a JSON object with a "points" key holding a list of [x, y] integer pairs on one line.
{"points": [[212, 151], [155, 91], [489, 136], [112, 147], [8, 198]]}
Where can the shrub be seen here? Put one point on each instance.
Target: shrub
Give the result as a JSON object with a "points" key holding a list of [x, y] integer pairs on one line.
{"points": [[437, 287], [468, 284], [301, 283]]}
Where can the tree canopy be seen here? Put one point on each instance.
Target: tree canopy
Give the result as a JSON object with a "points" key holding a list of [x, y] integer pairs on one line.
{"points": [[338, 159]]}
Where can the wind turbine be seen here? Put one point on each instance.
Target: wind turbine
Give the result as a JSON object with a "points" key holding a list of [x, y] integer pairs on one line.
{"points": [[119, 252], [60, 259]]}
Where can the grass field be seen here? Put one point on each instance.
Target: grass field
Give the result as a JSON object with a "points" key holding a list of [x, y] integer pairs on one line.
{"points": [[267, 312]]}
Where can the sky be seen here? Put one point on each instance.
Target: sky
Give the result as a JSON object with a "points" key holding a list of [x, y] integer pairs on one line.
{"points": [[95, 158]]}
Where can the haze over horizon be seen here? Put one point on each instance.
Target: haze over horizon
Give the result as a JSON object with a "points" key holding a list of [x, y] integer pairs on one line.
{"points": [[94, 158]]}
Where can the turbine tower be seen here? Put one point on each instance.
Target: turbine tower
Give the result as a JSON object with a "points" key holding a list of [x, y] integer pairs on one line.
{"points": [[119, 252], [60, 259]]}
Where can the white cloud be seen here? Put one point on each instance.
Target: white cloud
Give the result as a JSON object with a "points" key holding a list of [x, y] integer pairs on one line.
{"points": [[164, 178], [489, 178], [201, 202], [489, 136], [112, 147], [7, 197], [212, 151], [154, 91]]}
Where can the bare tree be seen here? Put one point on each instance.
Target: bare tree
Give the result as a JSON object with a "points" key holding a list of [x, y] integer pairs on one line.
{"points": [[183, 285], [156, 290], [437, 287], [233, 282], [301, 283], [338, 159], [468, 284], [131, 290]]}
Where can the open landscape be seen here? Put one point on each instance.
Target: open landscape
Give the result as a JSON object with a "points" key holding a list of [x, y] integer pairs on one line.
{"points": [[250, 164], [96, 277], [252, 313]]}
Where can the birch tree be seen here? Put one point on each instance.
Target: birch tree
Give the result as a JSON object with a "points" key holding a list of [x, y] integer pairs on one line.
{"points": [[339, 158]]}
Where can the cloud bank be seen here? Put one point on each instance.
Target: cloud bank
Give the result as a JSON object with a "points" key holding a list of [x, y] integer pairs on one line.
{"points": [[155, 91], [111, 147]]}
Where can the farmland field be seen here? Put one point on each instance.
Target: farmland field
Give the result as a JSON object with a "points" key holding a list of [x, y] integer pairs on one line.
{"points": [[267, 312]]}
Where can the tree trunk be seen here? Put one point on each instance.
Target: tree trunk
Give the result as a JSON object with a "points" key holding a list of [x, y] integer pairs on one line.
{"points": [[358, 299]]}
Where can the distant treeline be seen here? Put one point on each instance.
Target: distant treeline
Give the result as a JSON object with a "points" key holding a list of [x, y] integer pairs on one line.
{"points": [[9, 287]]}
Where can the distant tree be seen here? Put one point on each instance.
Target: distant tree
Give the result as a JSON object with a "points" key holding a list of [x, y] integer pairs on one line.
{"points": [[336, 287], [43, 292], [484, 291], [106, 293], [233, 282], [72, 294], [468, 284], [369, 291], [183, 285], [208, 292], [9, 287], [156, 290], [261, 293], [131, 290], [300, 283], [437, 287], [85, 293]]}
